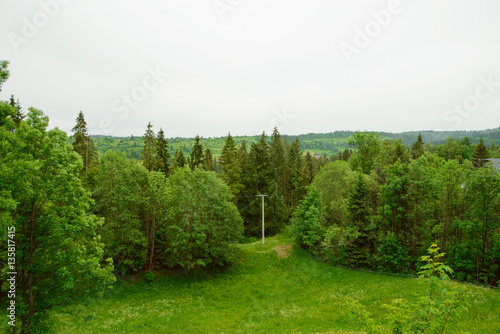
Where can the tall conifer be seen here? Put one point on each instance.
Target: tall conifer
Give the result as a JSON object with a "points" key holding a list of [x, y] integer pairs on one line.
{"points": [[196, 157], [481, 155], [149, 154], [162, 153]]}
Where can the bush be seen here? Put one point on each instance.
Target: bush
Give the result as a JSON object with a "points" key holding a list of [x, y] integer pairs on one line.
{"points": [[431, 313]]}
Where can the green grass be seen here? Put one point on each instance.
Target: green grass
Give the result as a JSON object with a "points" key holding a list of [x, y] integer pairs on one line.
{"points": [[260, 294]]}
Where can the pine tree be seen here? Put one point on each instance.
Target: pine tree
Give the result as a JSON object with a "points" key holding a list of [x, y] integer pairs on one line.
{"points": [[84, 146], [196, 157], [493, 147], [481, 155], [417, 149], [162, 153], [208, 162], [149, 152]]}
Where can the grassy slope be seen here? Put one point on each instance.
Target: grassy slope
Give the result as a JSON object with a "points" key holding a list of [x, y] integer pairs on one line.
{"points": [[260, 294]]}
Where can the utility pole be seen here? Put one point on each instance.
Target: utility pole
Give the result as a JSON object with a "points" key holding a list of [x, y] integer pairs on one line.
{"points": [[262, 215]]}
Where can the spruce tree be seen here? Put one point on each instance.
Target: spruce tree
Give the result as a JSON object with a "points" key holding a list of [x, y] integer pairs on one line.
{"points": [[179, 159], [196, 157], [481, 155], [255, 180], [417, 149], [84, 146], [208, 162], [312, 165], [298, 174], [162, 153], [230, 165], [242, 154], [19, 116], [278, 185], [466, 141], [149, 152]]}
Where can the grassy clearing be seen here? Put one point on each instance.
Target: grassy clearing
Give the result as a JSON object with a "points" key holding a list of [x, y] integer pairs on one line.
{"points": [[263, 293]]}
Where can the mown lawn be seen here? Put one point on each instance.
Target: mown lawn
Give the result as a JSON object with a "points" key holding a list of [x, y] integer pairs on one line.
{"points": [[263, 293]]}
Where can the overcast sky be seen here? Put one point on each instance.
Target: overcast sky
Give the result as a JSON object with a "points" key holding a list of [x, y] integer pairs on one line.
{"points": [[208, 67]]}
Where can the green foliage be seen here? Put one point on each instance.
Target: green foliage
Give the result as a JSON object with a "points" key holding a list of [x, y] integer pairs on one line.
{"points": [[478, 256], [84, 146], [162, 153], [150, 276], [119, 199], [59, 255], [298, 174], [155, 195], [279, 185], [332, 183], [417, 149], [261, 293], [4, 72], [196, 157], [394, 198], [208, 160], [438, 308], [231, 167], [179, 160], [149, 153], [330, 146], [481, 155], [255, 180], [19, 116], [392, 255], [367, 145], [307, 227], [200, 223]]}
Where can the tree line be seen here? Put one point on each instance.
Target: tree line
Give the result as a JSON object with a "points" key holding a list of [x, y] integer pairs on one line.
{"points": [[320, 144], [382, 208]]}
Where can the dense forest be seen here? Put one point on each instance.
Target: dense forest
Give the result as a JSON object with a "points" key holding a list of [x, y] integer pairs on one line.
{"points": [[85, 209]]}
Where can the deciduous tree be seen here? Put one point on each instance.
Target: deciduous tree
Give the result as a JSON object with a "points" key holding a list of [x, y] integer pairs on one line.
{"points": [[59, 256]]}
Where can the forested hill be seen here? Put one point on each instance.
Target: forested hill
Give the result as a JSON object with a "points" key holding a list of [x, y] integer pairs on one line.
{"points": [[322, 143]]}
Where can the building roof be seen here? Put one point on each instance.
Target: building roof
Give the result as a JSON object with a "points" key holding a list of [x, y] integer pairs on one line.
{"points": [[496, 163]]}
